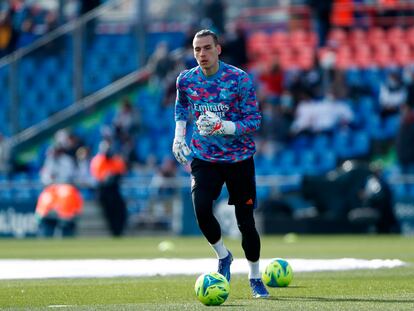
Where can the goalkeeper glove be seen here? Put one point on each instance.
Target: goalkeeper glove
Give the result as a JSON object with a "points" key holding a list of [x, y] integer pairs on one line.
{"points": [[209, 124], [180, 148]]}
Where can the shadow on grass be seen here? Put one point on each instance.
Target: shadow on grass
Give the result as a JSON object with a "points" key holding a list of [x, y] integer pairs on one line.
{"points": [[325, 299]]}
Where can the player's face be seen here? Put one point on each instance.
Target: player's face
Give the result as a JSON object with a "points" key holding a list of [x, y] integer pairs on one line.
{"points": [[206, 53]]}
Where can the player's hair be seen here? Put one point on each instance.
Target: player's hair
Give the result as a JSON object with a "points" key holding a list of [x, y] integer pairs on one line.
{"points": [[205, 33]]}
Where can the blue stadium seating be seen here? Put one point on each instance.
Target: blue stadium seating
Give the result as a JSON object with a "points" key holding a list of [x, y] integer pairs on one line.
{"points": [[48, 81]]}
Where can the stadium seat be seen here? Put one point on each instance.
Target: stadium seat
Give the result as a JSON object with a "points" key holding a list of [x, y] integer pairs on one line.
{"points": [[360, 143], [376, 35], [363, 56], [357, 36], [279, 40], [321, 143], [400, 191], [144, 147], [410, 36], [364, 108], [265, 165], [258, 44], [6, 195], [353, 77], [391, 125], [308, 162], [337, 37], [395, 36], [27, 66], [341, 143], [305, 57], [327, 160], [302, 38], [403, 54], [372, 77], [50, 65], [286, 159], [376, 128]]}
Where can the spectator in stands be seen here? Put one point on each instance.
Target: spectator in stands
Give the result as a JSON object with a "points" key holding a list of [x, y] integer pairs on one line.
{"points": [[68, 141], [282, 119], [160, 63], [21, 22], [126, 125], [235, 46], [58, 167], [57, 209], [107, 168], [296, 88], [277, 120], [271, 81], [303, 117], [36, 22], [26, 31], [83, 162], [305, 83], [127, 120], [338, 84], [405, 134], [88, 5], [325, 116], [187, 57], [6, 32], [392, 95], [51, 23], [178, 56], [312, 80], [215, 13], [342, 13], [321, 12], [85, 7], [17, 10], [405, 138], [409, 82]]}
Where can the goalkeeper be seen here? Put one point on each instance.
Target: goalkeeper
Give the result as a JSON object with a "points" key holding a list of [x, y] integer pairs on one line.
{"points": [[222, 100]]}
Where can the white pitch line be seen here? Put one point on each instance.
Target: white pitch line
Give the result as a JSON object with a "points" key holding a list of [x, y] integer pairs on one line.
{"points": [[103, 268]]}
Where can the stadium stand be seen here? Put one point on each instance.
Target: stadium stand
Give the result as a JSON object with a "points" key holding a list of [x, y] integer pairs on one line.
{"points": [[49, 72]]}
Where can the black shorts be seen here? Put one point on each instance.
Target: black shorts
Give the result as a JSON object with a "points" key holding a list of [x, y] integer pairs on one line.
{"points": [[208, 178]]}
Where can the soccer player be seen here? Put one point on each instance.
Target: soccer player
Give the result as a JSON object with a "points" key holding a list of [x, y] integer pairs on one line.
{"points": [[222, 101]]}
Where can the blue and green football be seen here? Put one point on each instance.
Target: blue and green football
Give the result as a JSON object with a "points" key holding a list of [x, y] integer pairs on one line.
{"points": [[212, 289], [278, 273]]}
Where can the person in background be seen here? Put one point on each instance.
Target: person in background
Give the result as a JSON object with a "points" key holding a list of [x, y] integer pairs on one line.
{"points": [[57, 210], [223, 104], [126, 125], [6, 31], [88, 5], [107, 169], [321, 11], [215, 13], [235, 46], [405, 133], [271, 79], [58, 167], [392, 95]]}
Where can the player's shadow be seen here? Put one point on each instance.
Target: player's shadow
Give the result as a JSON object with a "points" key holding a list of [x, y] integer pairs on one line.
{"points": [[322, 299]]}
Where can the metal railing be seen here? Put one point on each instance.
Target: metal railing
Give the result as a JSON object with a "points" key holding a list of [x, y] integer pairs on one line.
{"points": [[66, 49]]}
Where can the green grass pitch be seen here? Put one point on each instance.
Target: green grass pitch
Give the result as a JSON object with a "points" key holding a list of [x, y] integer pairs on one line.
{"points": [[382, 289]]}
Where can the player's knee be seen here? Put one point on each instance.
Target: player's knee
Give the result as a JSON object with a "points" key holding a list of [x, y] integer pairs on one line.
{"points": [[247, 227]]}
